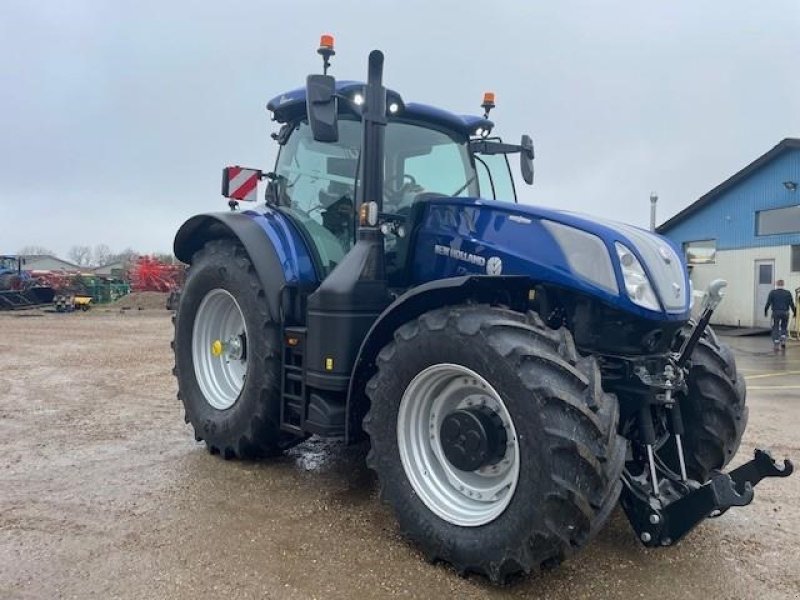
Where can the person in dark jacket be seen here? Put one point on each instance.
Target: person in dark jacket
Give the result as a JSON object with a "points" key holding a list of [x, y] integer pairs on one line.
{"points": [[781, 302]]}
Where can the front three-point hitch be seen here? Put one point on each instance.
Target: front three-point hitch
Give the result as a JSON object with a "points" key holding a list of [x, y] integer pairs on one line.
{"points": [[663, 506], [664, 518]]}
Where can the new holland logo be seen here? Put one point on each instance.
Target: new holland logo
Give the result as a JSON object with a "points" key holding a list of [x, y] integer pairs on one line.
{"points": [[494, 266], [457, 254]]}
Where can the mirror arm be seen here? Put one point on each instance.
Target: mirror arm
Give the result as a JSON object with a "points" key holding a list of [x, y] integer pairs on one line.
{"points": [[491, 148]]}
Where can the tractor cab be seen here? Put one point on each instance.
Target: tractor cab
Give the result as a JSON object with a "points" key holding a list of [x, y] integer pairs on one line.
{"points": [[10, 264], [11, 275], [428, 153]]}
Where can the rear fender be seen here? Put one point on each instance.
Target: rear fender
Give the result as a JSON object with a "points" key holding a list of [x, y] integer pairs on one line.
{"points": [[511, 291], [277, 251]]}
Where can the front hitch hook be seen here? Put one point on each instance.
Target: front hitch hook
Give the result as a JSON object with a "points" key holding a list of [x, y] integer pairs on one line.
{"points": [[762, 465]]}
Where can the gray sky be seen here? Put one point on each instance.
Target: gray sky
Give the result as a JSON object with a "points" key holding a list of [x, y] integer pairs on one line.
{"points": [[117, 117]]}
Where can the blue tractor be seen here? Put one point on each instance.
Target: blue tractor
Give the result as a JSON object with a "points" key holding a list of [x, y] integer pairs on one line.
{"points": [[11, 273], [18, 290], [517, 371]]}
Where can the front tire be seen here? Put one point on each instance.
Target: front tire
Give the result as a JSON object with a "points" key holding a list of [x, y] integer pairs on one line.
{"points": [[714, 411], [227, 356], [565, 454]]}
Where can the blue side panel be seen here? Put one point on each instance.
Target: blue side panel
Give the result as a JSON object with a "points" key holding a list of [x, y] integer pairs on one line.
{"points": [[293, 254], [514, 233], [731, 218]]}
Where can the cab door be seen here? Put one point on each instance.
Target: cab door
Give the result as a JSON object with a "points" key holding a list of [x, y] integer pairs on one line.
{"points": [[315, 187]]}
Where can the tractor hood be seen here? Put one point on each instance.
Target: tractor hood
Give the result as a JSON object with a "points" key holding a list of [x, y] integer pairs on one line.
{"points": [[628, 267]]}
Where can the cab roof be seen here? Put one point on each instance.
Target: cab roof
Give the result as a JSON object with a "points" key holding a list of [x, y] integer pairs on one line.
{"points": [[292, 105]]}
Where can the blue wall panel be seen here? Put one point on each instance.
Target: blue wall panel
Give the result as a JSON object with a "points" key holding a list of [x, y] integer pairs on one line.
{"points": [[731, 217]]}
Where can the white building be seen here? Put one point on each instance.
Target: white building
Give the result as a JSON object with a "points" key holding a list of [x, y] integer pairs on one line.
{"points": [[46, 262], [747, 231]]}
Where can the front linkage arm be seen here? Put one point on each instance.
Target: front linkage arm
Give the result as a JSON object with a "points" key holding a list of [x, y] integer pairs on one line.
{"points": [[714, 294]]}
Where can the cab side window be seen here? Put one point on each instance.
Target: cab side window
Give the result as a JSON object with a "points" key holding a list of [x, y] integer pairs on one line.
{"points": [[494, 176], [316, 184]]}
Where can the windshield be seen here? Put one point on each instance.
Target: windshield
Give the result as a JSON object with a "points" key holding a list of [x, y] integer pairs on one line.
{"points": [[418, 160], [425, 161], [8, 263]]}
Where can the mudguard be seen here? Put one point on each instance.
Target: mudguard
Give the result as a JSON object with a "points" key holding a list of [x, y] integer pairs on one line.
{"points": [[511, 291], [198, 230]]}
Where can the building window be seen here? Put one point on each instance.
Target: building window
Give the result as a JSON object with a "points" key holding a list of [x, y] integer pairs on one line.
{"points": [[765, 274], [795, 259], [701, 252], [778, 220]]}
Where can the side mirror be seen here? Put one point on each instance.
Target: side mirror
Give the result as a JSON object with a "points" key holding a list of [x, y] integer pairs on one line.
{"points": [[240, 184], [322, 107], [526, 158]]}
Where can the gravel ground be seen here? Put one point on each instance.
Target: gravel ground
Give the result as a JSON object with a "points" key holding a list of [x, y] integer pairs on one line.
{"points": [[105, 494]]}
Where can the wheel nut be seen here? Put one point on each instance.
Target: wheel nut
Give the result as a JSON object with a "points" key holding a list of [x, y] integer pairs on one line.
{"points": [[655, 519], [646, 537]]}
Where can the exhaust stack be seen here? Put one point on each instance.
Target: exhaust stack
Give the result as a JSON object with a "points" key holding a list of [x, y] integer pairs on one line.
{"points": [[653, 202]]}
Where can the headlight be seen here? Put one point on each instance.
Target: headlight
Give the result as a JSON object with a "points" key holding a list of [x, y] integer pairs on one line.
{"points": [[637, 285]]}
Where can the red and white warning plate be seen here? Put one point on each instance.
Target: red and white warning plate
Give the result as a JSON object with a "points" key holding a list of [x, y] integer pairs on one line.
{"points": [[242, 183]]}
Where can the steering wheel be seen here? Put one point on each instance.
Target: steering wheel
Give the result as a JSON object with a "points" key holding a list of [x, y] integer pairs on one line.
{"points": [[395, 194]]}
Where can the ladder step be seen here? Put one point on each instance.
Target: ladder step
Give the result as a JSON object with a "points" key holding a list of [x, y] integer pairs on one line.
{"points": [[294, 403]]}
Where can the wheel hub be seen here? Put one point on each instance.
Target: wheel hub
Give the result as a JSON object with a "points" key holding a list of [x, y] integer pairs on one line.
{"points": [[453, 452], [219, 348], [473, 438]]}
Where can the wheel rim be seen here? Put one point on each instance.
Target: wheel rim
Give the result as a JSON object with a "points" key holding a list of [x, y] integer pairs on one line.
{"points": [[219, 349], [466, 498]]}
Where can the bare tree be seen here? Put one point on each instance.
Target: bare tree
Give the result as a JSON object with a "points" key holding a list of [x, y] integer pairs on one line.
{"points": [[102, 255], [33, 250], [80, 255], [127, 256], [166, 258]]}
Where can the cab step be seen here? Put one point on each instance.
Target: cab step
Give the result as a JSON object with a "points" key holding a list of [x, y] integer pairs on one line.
{"points": [[305, 411]]}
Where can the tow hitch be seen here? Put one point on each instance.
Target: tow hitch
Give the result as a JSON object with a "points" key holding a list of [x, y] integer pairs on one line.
{"points": [[664, 519], [663, 506]]}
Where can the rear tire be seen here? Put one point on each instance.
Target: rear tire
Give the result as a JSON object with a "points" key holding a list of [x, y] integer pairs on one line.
{"points": [[570, 455], [249, 426], [714, 411]]}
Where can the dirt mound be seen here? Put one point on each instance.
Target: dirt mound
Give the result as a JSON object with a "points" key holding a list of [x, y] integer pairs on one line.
{"points": [[141, 301]]}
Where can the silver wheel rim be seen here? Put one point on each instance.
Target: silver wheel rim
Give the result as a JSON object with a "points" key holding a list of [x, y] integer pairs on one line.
{"points": [[219, 352], [465, 498]]}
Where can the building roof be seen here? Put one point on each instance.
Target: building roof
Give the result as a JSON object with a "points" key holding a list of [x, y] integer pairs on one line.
{"points": [[40, 257], [292, 105], [703, 201]]}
